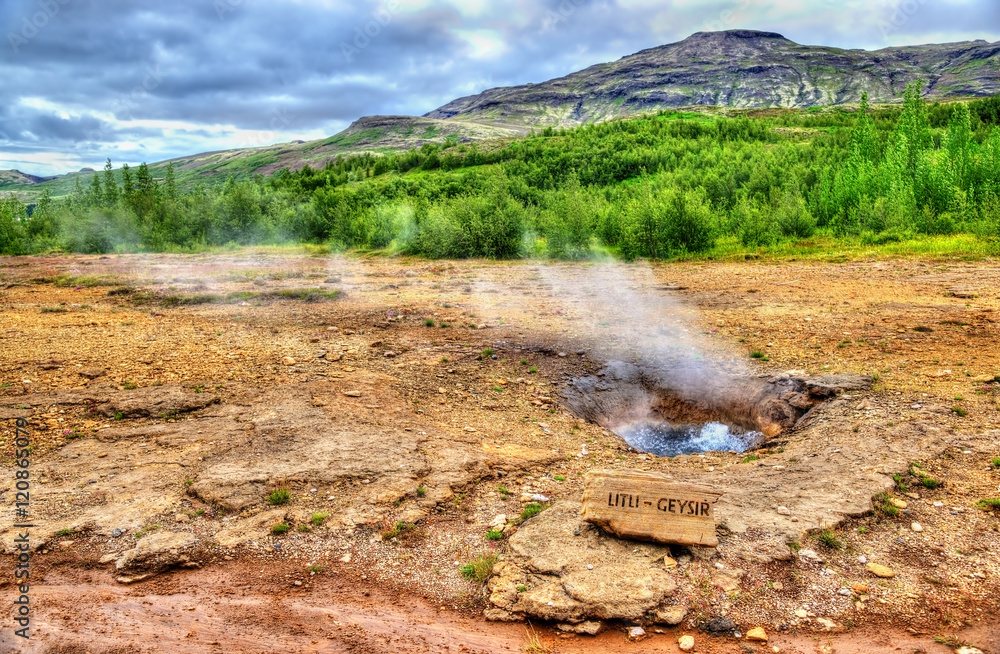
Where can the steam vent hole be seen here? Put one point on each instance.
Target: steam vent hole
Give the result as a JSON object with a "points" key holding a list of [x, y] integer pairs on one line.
{"points": [[687, 411]]}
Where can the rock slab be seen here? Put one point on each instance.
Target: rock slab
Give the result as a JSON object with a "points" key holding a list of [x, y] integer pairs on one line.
{"points": [[649, 506]]}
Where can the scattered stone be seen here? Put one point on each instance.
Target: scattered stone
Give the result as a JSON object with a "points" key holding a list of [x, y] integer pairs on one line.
{"points": [[899, 504], [499, 521], [108, 558], [92, 373], [862, 559], [65, 544], [917, 527], [880, 570], [154, 554], [757, 634], [116, 532], [685, 643], [636, 633], [671, 616], [288, 361], [297, 583], [389, 354], [537, 497], [810, 555], [669, 562], [827, 624], [846, 592], [719, 625], [784, 510], [562, 355], [182, 517], [801, 613], [860, 589], [352, 393], [589, 627], [968, 650], [346, 558]]}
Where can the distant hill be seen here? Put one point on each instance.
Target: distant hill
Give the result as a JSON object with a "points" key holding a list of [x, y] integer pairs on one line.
{"points": [[737, 68]]}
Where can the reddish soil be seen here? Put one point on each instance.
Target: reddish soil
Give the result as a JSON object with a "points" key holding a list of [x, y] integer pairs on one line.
{"points": [[928, 329]]}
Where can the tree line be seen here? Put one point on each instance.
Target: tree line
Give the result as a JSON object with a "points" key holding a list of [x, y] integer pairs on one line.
{"points": [[656, 186]]}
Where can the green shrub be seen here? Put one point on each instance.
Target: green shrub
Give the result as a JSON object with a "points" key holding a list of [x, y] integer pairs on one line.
{"points": [[479, 569]]}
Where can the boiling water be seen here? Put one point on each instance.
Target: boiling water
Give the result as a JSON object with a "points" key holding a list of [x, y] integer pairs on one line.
{"points": [[664, 439]]}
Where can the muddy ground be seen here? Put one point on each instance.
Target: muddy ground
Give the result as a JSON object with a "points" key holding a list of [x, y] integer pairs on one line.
{"points": [[169, 397]]}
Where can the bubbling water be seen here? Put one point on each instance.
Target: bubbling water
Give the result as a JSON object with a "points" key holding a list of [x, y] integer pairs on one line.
{"points": [[665, 439]]}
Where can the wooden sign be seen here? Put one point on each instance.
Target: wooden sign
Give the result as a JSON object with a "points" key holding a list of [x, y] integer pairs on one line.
{"points": [[649, 506]]}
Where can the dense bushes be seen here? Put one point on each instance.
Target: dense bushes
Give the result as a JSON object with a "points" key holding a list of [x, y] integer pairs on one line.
{"points": [[658, 186]]}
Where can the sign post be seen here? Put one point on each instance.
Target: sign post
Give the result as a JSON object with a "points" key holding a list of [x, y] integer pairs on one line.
{"points": [[649, 506]]}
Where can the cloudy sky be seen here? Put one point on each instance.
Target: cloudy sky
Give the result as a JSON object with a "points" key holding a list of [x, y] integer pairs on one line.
{"points": [[145, 80]]}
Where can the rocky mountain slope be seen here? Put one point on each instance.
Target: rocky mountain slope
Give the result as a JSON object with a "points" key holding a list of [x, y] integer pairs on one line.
{"points": [[737, 68]]}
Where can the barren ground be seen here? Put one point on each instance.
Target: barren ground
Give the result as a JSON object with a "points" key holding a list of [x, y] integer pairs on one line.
{"points": [[168, 396]]}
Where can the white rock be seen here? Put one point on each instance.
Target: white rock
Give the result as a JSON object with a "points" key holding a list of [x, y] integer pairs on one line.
{"points": [[636, 633], [917, 527], [784, 510], [685, 643]]}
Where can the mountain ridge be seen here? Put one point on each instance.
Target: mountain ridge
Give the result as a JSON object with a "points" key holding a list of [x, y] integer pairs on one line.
{"points": [[717, 71], [738, 69]]}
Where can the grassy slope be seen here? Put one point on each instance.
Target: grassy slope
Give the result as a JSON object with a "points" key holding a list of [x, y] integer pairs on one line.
{"points": [[370, 134]]}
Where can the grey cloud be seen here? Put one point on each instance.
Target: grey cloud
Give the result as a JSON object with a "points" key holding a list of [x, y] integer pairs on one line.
{"points": [[259, 58]]}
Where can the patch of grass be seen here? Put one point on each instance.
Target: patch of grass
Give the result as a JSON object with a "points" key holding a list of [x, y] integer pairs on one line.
{"points": [[280, 495], [989, 503], [521, 588], [429, 322], [479, 569], [119, 416], [534, 644], [829, 539], [749, 458], [862, 530], [494, 534], [486, 353], [280, 528], [72, 434], [65, 532], [504, 491], [532, 370], [531, 509], [146, 530], [421, 491], [304, 528], [901, 483], [398, 529], [130, 385], [925, 480], [757, 354], [524, 362], [883, 505], [318, 518], [88, 281], [794, 545], [959, 411], [559, 477], [996, 462], [315, 569]]}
